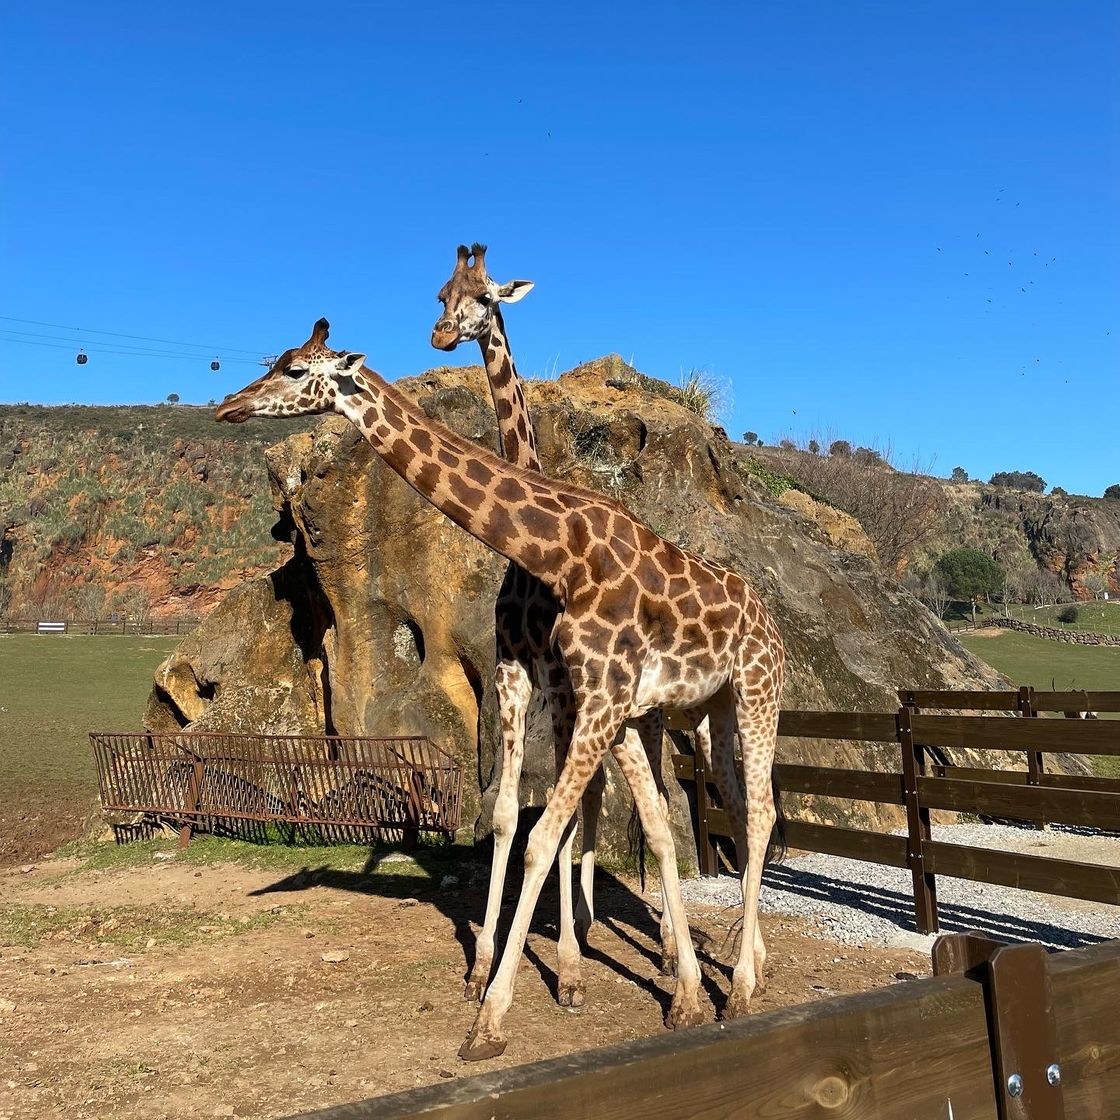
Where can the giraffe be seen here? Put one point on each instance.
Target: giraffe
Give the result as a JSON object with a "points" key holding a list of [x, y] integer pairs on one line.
{"points": [[641, 624], [525, 613]]}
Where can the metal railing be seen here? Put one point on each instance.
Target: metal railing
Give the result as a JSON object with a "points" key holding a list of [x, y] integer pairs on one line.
{"points": [[337, 787]]}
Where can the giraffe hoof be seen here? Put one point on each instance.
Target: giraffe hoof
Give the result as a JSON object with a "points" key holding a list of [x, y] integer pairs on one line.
{"points": [[737, 1007], [668, 965], [571, 994], [472, 991], [475, 1048], [681, 1017]]}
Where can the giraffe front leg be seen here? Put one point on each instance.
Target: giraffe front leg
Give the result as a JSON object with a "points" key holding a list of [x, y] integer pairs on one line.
{"points": [[514, 690], [591, 810], [487, 1038], [570, 987]]}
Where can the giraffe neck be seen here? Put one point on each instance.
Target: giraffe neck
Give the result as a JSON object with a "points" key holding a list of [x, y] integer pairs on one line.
{"points": [[496, 502], [516, 436]]}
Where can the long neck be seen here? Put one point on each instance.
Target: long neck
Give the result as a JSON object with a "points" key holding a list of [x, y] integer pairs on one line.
{"points": [[515, 426], [494, 501]]}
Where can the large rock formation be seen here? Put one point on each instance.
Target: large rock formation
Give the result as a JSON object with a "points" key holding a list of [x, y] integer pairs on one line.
{"points": [[382, 621]]}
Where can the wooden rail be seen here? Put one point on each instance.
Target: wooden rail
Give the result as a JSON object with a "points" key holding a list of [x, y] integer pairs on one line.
{"points": [[918, 775], [928, 1048]]}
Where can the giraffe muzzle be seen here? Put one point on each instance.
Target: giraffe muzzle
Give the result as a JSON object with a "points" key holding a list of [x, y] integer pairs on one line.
{"points": [[232, 411], [445, 335]]}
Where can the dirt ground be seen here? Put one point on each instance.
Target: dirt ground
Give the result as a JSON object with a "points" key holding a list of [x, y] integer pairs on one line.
{"points": [[37, 817], [176, 990]]}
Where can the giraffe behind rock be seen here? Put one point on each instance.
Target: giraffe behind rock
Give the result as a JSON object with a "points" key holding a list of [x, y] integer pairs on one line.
{"points": [[525, 613], [641, 624]]}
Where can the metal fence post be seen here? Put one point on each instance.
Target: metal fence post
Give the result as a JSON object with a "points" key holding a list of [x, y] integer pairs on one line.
{"points": [[917, 825]]}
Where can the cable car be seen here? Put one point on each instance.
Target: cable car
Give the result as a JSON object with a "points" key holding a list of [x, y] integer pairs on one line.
{"points": [[82, 358], [215, 365]]}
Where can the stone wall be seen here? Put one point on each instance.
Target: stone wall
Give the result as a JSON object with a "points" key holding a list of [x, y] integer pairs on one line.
{"points": [[1054, 633]]}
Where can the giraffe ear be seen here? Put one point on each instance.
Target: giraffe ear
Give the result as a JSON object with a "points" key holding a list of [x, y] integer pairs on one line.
{"points": [[514, 290], [352, 362]]}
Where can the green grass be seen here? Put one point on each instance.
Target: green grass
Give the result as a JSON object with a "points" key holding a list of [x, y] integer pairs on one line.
{"points": [[58, 688], [1046, 665], [124, 927]]}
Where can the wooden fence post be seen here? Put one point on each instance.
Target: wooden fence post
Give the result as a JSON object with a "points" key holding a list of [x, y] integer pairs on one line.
{"points": [[709, 864], [1035, 759], [917, 825]]}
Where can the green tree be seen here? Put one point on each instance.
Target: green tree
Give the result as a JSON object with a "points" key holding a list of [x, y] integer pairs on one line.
{"points": [[970, 574], [815, 448], [1112, 493], [750, 437], [840, 447], [959, 475]]}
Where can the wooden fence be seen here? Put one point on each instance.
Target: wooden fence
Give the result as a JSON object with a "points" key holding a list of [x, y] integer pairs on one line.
{"points": [[151, 627], [918, 775], [947, 1048], [333, 785]]}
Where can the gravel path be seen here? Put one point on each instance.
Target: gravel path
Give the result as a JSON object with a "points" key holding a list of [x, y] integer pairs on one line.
{"points": [[864, 903]]}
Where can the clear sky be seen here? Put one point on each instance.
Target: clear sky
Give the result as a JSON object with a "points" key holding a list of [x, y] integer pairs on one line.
{"points": [[884, 221]]}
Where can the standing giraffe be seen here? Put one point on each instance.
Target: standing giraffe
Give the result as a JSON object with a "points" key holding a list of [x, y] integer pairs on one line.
{"points": [[525, 613], [641, 624]]}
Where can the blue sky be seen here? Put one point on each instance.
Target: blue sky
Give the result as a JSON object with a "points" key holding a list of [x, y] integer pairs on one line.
{"points": [[883, 221]]}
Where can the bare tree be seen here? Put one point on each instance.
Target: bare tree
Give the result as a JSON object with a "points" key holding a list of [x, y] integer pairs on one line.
{"points": [[935, 594], [1095, 580], [900, 511]]}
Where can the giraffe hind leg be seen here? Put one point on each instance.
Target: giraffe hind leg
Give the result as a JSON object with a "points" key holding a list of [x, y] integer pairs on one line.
{"points": [[514, 691]]}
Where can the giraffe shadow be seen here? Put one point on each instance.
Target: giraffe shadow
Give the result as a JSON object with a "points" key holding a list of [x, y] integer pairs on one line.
{"points": [[423, 875]]}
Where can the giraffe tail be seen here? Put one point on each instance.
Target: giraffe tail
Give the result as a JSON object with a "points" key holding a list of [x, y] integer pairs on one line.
{"points": [[636, 838], [777, 848]]}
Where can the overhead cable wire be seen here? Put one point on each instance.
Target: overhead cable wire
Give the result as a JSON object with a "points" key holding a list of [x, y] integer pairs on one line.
{"points": [[134, 337]]}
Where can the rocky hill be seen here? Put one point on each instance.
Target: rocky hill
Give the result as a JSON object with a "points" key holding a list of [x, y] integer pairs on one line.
{"points": [[130, 509], [381, 620]]}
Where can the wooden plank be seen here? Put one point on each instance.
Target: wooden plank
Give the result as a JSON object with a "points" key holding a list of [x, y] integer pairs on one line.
{"points": [[1002, 701], [1090, 881], [860, 785], [684, 768], [887, 1054], [893, 1054], [1053, 780], [854, 843], [872, 727], [1076, 701], [1031, 803], [1073, 736]]}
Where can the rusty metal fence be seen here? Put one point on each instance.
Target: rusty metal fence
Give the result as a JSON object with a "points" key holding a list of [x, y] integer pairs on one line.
{"points": [[328, 787]]}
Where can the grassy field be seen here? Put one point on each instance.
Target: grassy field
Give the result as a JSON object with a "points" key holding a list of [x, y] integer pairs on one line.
{"points": [[1047, 665], [56, 689], [1098, 617]]}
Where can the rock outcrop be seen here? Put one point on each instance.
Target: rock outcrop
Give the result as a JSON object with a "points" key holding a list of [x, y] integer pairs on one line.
{"points": [[382, 621]]}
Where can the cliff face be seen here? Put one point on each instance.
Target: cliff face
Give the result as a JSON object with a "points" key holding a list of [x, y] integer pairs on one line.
{"points": [[382, 621], [1067, 536]]}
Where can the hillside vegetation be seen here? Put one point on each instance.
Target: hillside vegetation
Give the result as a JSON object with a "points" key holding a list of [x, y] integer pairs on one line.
{"points": [[131, 508], [157, 508]]}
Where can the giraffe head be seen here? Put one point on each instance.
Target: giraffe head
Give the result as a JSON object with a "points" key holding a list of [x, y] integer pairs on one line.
{"points": [[305, 380], [470, 299]]}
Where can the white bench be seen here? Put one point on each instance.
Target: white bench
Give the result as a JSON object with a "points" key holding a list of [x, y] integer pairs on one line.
{"points": [[51, 628]]}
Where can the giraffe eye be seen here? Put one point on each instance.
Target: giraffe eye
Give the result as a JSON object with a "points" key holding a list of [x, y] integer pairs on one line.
{"points": [[486, 298], [296, 371]]}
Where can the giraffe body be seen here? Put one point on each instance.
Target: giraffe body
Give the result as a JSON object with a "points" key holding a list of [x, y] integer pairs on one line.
{"points": [[640, 624]]}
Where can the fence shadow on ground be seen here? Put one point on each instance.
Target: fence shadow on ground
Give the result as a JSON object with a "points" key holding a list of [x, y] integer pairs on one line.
{"points": [[897, 907]]}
